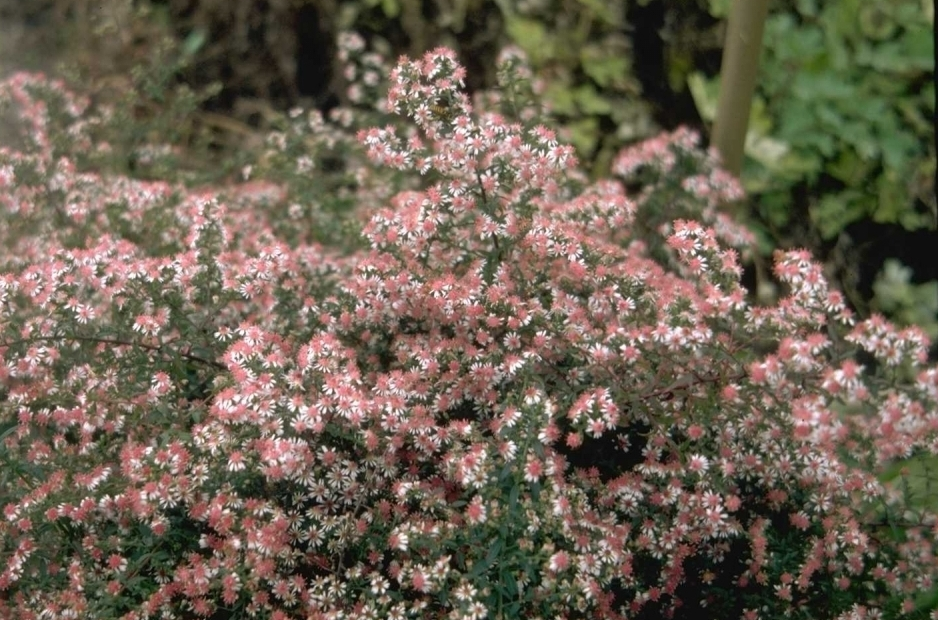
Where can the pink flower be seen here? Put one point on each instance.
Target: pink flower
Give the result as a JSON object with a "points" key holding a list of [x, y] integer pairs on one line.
{"points": [[558, 562]]}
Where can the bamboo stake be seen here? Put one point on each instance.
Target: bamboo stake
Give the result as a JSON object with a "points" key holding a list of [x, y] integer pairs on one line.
{"points": [[738, 71]]}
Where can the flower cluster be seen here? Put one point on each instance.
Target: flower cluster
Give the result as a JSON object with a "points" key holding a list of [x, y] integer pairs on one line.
{"points": [[527, 396], [365, 71]]}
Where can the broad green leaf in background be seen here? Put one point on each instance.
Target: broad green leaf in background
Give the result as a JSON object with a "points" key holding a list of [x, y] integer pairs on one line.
{"points": [[808, 8], [911, 304], [849, 168], [590, 101], [391, 8], [928, 10], [767, 151], [798, 119], [833, 212], [532, 36], [562, 100], [706, 94], [821, 86], [584, 134], [719, 8], [892, 199], [917, 46], [600, 9], [859, 136], [876, 22], [601, 67]]}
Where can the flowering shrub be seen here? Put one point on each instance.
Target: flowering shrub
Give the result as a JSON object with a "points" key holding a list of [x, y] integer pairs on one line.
{"points": [[529, 396]]}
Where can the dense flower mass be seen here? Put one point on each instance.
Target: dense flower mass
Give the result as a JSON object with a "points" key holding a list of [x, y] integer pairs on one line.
{"points": [[529, 396]]}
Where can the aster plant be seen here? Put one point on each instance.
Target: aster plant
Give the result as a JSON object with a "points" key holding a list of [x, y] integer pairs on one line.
{"points": [[529, 395]]}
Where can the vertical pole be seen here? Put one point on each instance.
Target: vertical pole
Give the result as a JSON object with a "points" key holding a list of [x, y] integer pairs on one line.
{"points": [[740, 66], [934, 26]]}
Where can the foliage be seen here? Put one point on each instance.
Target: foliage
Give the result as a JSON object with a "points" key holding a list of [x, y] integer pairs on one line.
{"points": [[529, 395], [910, 304], [275, 55], [842, 118], [846, 96], [580, 51]]}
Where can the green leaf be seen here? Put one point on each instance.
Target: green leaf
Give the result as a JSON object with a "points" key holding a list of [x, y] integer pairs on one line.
{"points": [[590, 101], [822, 85], [507, 583], [928, 10], [905, 302], [601, 67], [6, 429], [680, 65], [841, 19], [850, 168], [897, 146], [513, 499], [893, 198], [561, 99], [918, 48], [876, 110], [532, 36], [892, 285], [833, 212], [823, 143], [760, 120], [718, 8], [390, 8], [513, 610], [775, 210], [584, 134], [706, 93], [797, 120], [767, 151], [875, 22], [600, 9], [912, 54], [802, 46], [859, 136], [490, 558], [914, 116]]}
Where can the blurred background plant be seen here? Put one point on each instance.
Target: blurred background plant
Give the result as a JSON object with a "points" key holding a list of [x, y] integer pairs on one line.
{"points": [[839, 152]]}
